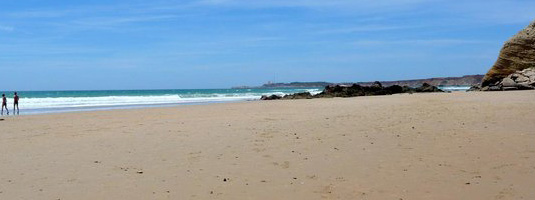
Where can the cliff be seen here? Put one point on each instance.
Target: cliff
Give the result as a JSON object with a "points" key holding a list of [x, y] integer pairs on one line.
{"points": [[517, 54]]}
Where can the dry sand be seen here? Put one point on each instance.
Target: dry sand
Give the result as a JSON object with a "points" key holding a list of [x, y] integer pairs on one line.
{"points": [[421, 146]]}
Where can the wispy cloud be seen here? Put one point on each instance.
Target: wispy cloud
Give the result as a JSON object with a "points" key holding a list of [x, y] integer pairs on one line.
{"points": [[492, 11], [479, 11], [433, 42], [364, 28], [312, 3], [6, 28], [44, 13], [118, 20], [104, 9]]}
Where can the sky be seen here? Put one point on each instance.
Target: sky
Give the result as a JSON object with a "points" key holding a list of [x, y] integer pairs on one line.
{"points": [[187, 44]]}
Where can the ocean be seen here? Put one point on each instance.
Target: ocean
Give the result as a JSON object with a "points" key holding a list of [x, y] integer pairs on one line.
{"points": [[40, 102]]}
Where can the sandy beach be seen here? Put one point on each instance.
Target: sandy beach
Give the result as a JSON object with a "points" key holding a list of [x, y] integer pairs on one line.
{"points": [[459, 145]]}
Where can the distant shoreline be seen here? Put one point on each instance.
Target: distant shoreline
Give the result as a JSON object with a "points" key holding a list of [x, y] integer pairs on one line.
{"points": [[467, 80]]}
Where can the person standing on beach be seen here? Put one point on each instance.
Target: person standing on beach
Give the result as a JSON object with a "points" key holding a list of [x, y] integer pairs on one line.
{"points": [[16, 104], [4, 104]]}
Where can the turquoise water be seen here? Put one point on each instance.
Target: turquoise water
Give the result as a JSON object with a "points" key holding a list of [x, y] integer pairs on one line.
{"points": [[36, 102], [184, 93]]}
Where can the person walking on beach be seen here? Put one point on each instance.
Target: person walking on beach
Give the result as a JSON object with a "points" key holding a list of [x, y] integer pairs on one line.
{"points": [[4, 104], [16, 104]]}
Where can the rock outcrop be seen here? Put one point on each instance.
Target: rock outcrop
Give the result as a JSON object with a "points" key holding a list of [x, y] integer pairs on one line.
{"points": [[427, 88], [271, 97], [517, 54], [520, 80], [356, 90], [303, 95]]}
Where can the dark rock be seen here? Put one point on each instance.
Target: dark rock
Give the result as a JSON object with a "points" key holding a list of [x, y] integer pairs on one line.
{"points": [[513, 76], [377, 84], [394, 89], [272, 97], [495, 88], [524, 86], [356, 90], [474, 88], [303, 95], [343, 91], [428, 88], [407, 89]]}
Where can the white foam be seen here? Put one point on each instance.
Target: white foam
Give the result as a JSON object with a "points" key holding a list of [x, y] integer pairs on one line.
{"points": [[455, 88], [49, 104], [80, 102]]}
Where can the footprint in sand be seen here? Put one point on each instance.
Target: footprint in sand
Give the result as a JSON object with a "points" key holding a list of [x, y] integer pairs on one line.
{"points": [[258, 150], [326, 191], [266, 135], [284, 165], [194, 156], [506, 193]]}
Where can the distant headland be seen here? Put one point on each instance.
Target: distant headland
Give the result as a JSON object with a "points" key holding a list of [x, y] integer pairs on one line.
{"points": [[467, 80]]}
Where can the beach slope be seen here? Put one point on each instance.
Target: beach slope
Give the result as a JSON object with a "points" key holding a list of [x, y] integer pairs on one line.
{"points": [[421, 146]]}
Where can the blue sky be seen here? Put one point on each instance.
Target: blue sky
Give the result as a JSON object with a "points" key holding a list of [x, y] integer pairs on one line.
{"points": [[119, 44]]}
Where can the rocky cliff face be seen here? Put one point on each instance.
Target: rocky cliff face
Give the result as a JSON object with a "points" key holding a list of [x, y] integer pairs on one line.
{"points": [[517, 54]]}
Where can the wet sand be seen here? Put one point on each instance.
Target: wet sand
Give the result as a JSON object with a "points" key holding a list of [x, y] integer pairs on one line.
{"points": [[421, 146]]}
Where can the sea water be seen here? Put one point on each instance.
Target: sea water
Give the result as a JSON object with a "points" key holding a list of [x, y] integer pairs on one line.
{"points": [[455, 88], [38, 102]]}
